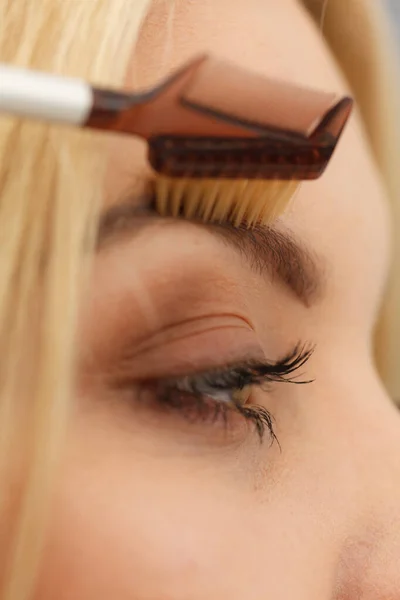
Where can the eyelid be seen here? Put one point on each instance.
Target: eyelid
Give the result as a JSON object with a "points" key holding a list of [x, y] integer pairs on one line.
{"points": [[187, 328], [202, 351]]}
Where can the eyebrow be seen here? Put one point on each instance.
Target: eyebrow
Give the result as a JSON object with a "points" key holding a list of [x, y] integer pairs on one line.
{"points": [[266, 249]]}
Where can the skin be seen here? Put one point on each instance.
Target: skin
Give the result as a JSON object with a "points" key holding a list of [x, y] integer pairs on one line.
{"points": [[150, 506]]}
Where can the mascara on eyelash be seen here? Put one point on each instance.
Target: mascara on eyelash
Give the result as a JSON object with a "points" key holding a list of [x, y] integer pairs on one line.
{"points": [[256, 372], [206, 389]]}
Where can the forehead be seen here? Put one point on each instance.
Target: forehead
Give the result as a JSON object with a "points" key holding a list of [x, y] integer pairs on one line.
{"points": [[342, 217]]}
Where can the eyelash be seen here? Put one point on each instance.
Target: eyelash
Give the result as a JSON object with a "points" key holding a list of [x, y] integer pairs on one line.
{"points": [[214, 394]]}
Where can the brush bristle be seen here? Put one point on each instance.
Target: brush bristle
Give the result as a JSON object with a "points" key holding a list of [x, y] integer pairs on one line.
{"points": [[240, 202]]}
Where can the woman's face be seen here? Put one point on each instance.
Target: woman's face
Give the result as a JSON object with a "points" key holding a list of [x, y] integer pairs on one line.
{"points": [[164, 493]]}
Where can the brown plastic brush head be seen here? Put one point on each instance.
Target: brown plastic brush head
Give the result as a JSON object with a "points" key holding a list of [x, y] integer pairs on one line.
{"points": [[276, 135], [272, 155], [212, 119], [228, 144], [230, 123]]}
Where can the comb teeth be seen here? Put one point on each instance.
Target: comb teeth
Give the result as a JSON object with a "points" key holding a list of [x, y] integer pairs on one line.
{"points": [[247, 158], [240, 202]]}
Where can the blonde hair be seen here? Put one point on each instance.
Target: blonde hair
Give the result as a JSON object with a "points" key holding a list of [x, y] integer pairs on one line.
{"points": [[50, 185]]}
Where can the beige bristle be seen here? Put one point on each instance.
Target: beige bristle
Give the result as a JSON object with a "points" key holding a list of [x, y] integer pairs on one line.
{"points": [[178, 192], [224, 201], [194, 194], [239, 209], [210, 197], [284, 195], [242, 201], [269, 200], [255, 207], [261, 206]]}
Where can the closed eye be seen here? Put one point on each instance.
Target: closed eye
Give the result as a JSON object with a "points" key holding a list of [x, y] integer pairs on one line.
{"points": [[213, 394]]}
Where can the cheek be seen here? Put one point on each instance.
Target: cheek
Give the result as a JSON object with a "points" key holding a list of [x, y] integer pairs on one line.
{"points": [[128, 524], [182, 542], [135, 533], [134, 525]]}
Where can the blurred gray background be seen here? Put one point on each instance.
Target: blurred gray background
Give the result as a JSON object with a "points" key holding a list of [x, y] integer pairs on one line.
{"points": [[394, 6], [394, 9]]}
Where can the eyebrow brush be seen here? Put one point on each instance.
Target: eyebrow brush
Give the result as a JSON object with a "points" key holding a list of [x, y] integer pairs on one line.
{"points": [[227, 144]]}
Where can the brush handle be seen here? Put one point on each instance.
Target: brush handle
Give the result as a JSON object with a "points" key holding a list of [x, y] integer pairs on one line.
{"points": [[56, 99], [209, 119], [35, 95]]}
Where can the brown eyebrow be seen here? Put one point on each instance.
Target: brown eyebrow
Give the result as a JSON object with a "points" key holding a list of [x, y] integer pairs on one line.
{"points": [[265, 248]]}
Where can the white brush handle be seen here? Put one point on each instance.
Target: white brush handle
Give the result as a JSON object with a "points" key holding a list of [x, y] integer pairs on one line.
{"points": [[36, 95]]}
